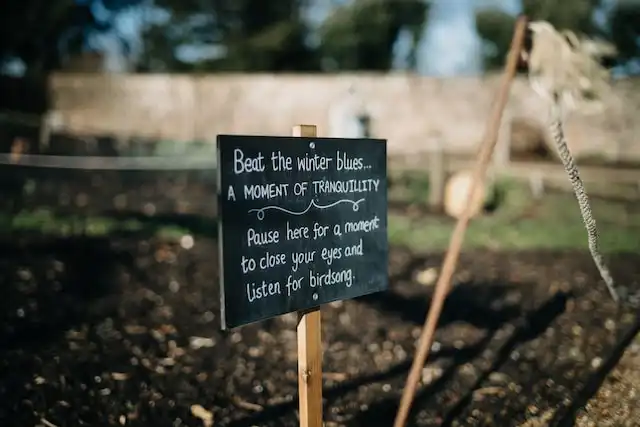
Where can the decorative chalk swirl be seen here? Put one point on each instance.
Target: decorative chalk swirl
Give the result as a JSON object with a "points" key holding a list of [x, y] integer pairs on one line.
{"points": [[260, 212]]}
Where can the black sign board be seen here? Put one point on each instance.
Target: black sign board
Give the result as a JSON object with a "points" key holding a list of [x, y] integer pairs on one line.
{"points": [[302, 221]]}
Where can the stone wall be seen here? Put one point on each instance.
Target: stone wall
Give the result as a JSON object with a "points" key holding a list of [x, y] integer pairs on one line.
{"points": [[407, 110]]}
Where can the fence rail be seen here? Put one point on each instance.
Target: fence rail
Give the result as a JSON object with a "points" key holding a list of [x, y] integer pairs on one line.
{"points": [[524, 169], [514, 169], [109, 163]]}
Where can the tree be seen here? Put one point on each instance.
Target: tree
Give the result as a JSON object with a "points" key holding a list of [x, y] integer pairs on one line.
{"points": [[258, 35], [263, 36], [361, 34], [29, 30], [250, 35], [625, 29], [40, 33], [573, 15], [495, 27]]}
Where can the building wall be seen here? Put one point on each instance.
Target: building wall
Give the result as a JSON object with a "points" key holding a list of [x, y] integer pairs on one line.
{"points": [[409, 111]]}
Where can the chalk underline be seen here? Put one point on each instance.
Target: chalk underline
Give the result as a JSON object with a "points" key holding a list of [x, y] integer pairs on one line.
{"points": [[261, 211]]}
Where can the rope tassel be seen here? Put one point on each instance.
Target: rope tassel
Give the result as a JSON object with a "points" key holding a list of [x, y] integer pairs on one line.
{"points": [[563, 72], [557, 133]]}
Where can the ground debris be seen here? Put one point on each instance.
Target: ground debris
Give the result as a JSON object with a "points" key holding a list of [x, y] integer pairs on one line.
{"points": [[247, 405], [200, 412], [617, 402], [155, 355], [540, 421], [197, 343]]}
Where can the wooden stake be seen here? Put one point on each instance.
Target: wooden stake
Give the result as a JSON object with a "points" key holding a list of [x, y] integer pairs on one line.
{"points": [[457, 237], [437, 175], [44, 135], [309, 346]]}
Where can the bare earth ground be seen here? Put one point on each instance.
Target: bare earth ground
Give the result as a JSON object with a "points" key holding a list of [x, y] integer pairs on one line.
{"points": [[617, 402], [122, 327], [134, 340]]}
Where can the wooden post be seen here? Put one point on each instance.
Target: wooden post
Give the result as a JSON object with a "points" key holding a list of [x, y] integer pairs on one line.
{"points": [[309, 346], [451, 258], [44, 134], [502, 153], [536, 183], [437, 175]]}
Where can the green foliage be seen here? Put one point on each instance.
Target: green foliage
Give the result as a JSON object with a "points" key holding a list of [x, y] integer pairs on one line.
{"points": [[44, 34], [271, 36], [495, 28], [573, 15], [30, 30], [625, 28], [262, 36], [361, 34], [254, 35], [258, 35], [277, 47]]}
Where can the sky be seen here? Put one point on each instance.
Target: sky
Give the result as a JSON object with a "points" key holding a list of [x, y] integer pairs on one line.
{"points": [[450, 44]]}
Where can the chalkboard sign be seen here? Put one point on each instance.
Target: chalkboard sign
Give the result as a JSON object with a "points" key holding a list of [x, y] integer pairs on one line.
{"points": [[302, 222]]}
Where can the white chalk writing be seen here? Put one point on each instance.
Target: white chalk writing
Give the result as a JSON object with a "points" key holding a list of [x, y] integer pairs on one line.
{"points": [[299, 246]]}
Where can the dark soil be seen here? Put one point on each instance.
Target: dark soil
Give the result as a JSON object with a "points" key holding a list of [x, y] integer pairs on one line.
{"points": [[125, 331]]}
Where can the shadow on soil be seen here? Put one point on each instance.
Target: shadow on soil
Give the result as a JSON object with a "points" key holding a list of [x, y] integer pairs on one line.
{"points": [[567, 417], [528, 327], [50, 285], [468, 303]]}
